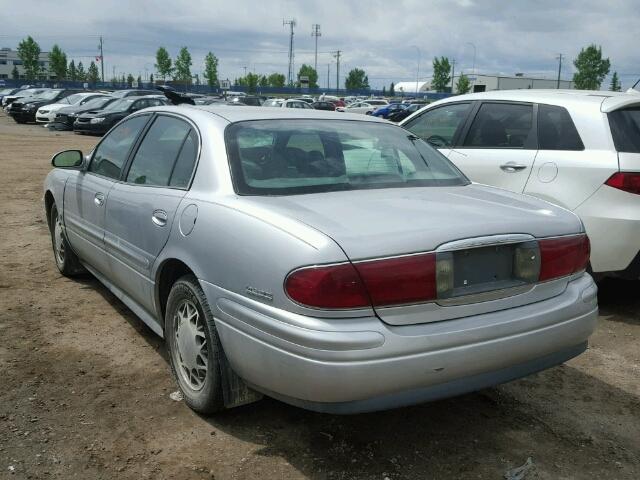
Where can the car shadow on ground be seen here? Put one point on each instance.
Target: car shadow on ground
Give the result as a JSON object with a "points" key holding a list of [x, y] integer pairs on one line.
{"points": [[621, 299]]}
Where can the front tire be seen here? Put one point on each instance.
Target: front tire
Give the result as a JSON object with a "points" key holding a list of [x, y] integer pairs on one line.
{"points": [[193, 346], [66, 260]]}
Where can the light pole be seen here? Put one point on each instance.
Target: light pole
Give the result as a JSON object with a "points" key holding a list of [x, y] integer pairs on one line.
{"points": [[418, 68], [473, 69]]}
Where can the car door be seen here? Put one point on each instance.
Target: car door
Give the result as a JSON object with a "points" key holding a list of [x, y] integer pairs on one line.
{"points": [[500, 145], [440, 126], [86, 194], [141, 209]]}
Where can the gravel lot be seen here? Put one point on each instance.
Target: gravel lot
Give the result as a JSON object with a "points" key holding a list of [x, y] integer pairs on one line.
{"points": [[84, 387]]}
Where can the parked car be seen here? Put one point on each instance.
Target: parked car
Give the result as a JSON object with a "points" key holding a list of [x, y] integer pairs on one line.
{"points": [[101, 121], [338, 264], [7, 100], [308, 100], [24, 110], [290, 103], [367, 107], [577, 149], [8, 91], [250, 100], [133, 93], [400, 115], [209, 100], [47, 113], [66, 116], [386, 110], [324, 106]]}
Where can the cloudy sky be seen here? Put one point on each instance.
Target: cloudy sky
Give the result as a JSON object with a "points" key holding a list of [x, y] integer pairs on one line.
{"points": [[386, 38]]}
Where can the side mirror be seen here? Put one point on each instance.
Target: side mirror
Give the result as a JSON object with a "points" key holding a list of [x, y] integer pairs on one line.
{"points": [[68, 159]]}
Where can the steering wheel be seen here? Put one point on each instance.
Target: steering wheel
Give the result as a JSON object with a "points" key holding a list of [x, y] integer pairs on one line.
{"points": [[437, 141]]}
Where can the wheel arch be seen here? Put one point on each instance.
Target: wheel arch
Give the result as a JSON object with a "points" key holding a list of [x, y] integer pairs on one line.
{"points": [[167, 274], [49, 200]]}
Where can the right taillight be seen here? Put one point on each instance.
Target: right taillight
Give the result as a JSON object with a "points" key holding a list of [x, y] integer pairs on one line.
{"points": [[626, 181], [562, 256]]}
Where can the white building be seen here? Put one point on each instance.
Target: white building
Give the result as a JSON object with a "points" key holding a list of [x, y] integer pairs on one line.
{"points": [[9, 59], [486, 83]]}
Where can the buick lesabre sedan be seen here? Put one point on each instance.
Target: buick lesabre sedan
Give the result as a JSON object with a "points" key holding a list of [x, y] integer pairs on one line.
{"points": [[333, 261]]}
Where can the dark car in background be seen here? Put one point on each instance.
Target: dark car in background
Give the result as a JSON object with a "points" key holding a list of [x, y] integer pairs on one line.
{"points": [[386, 110], [24, 110], [67, 115], [324, 106], [101, 121], [8, 91], [22, 93], [133, 93], [400, 115], [249, 100]]}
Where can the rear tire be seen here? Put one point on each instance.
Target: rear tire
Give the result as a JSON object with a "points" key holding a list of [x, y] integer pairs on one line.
{"points": [[66, 260], [194, 347]]}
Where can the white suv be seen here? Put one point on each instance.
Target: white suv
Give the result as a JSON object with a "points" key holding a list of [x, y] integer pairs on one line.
{"points": [[576, 149]]}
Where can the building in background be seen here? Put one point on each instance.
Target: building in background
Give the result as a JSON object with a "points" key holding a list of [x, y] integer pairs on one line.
{"points": [[486, 83], [9, 58]]}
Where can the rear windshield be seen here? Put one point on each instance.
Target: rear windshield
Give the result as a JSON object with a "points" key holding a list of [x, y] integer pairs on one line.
{"points": [[625, 129], [291, 156]]}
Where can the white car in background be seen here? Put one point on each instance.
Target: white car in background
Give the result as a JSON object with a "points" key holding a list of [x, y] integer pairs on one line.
{"points": [[576, 149], [282, 103], [47, 113], [367, 107]]}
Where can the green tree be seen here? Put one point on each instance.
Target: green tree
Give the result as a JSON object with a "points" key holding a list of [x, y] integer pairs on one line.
{"points": [[72, 73], [82, 75], [276, 80], [392, 90], [15, 74], [93, 75], [250, 80], [183, 67], [58, 62], [151, 79], [211, 69], [384, 91], [163, 63], [139, 80], [441, 74], [29, 53], [130, 80], [592, 68], [463, 85], [310, 72], [264, 81], [356, 80], [615, 83]]}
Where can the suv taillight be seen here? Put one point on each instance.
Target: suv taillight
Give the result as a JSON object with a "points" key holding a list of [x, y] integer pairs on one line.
{"points": [[626, 181], [563, 256]]}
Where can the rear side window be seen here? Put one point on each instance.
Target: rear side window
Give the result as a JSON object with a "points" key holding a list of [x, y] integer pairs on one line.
{"points": [[183, 168], [502, 125], [439, 125], [154, 161], [556, 130], [625, 129]]}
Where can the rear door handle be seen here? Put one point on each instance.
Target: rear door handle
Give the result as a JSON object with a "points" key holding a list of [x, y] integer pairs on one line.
{"points": [[99, 199], [159, 217], [511, 167]]}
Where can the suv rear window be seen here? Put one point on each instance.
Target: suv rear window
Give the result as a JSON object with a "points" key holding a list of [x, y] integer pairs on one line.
{"points": [[625, 129], [556, 130]]}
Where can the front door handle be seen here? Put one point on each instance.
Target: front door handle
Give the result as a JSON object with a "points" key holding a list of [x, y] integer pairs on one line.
{"points": [[512, 167], [159, 217], [99, 199]]}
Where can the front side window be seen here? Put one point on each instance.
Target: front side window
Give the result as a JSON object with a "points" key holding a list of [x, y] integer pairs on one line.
{"points": [[112, 153], [556, 130], [439, 126], [625, 129], [284, 157], [153, 163], [502, 125]]}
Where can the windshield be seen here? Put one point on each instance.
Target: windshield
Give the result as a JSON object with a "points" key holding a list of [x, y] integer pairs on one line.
{"points": [[99, 102], [49, 94], [6, 91], [284, 157], [625, 129], [120, 105]]}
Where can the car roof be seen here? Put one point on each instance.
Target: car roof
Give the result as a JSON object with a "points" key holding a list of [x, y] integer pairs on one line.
{"points": [[241, 114]]}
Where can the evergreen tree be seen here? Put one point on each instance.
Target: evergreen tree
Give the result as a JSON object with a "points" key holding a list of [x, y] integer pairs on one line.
{"points": [[130, 80], [615, 83], [29, 53], [151, 79], [392, 90], [58, 62], [82, 75], [384, 91], [93, 75], [15, 74], [72, 73], [211, 69]]}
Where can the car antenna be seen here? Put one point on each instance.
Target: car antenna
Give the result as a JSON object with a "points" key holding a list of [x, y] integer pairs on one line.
{"points": [[176, 98]]}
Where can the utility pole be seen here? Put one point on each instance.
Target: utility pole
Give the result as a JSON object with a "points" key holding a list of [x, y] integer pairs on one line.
{"points": [[315, 32], [114, 71], [328, 70], [337, 54], [101, 59], [453, 72], [559, 57], [245, 71], [292, 24]]}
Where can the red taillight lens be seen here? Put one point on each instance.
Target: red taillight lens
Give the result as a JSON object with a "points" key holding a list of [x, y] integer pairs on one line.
{"points": [[331, 286], [626, 181], [563, 256], [402, 280]]}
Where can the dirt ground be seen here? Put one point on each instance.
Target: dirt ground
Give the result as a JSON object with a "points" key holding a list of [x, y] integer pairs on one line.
{"points": [[84, 387]]}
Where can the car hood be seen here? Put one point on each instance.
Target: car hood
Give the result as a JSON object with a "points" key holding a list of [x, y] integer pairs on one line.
{"points": [[385, 222], [100, 113]]}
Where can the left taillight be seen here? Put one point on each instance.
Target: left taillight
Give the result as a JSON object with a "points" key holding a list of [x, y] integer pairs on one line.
{"points": [[562, 256]]}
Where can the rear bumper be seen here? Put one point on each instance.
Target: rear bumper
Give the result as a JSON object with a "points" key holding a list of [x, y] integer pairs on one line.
{"points": [[355, 365]]}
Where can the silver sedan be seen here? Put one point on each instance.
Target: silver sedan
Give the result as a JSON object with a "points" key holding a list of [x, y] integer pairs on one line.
{"points": [[333, 261]]}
